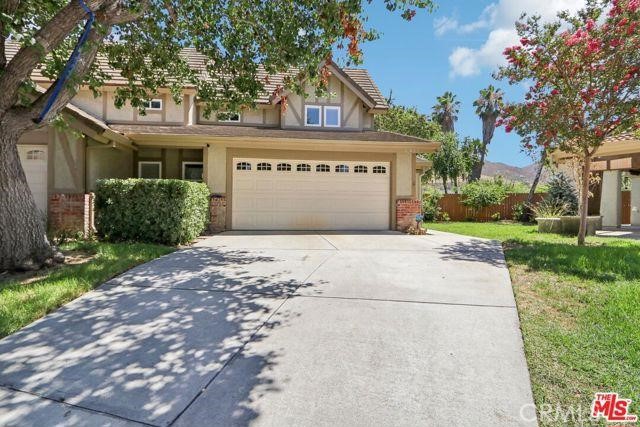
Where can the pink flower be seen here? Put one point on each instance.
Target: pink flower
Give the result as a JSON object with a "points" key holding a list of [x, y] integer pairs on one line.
{"points": [[508, 129], [593, 46], [555, 92], [590, 24], [633, 5]]}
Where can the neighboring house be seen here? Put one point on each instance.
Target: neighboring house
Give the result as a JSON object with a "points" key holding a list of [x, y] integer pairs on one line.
{"points": [[316, 164], [619, 155]]}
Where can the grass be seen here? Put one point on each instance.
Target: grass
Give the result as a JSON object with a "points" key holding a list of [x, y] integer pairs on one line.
{"points": [[24, 299], [579, 310]]}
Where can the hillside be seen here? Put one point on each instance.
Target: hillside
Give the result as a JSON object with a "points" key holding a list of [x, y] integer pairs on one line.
{"points": [[513, 173]]}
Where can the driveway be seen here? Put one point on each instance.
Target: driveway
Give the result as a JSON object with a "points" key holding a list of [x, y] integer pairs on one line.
{"points": [[353, 329]]}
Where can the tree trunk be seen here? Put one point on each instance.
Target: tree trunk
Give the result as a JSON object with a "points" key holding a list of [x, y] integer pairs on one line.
{"points": [[584, 200], [488, 128], [24, 243], [536, 180], [444, 184]]}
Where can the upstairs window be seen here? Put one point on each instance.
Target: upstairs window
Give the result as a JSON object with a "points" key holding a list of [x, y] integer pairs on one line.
{"points": [[243, 166], [360, 169], [379, 169], [264, 166], [303, 167], [284, 167], [228, 117], [312, 115], [323, 168], [153, 104], [332, 116], [342, 168]]}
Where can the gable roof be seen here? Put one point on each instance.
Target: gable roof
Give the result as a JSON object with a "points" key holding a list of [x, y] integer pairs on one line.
{"points": [[359, 79]]}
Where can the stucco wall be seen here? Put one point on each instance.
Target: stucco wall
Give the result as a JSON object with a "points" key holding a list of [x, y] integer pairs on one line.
{"points": [[107, 162], [66, 162], [263, 116], [171, 159], [85, 100]]}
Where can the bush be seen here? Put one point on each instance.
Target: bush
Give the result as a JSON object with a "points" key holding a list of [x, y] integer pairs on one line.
{"points": [[480, 194], [430, 209], [521, 212], [549, 209], [561, 192], [168, 211]]}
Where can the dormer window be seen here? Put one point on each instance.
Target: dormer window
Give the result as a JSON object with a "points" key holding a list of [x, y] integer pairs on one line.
{"points": [[228, 117], [332, 116], [153, 104], [312, 115]]}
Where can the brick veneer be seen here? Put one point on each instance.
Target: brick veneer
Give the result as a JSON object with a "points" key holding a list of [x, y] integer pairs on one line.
{"points": [[217, 212], [406, 211], [71, 213]]}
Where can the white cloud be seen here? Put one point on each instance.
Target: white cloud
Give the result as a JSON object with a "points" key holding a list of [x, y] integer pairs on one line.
{"points": [[499, 18], [445, 24]]}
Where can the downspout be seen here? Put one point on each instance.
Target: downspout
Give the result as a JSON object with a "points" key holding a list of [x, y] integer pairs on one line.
{"points": [[71, 63]]}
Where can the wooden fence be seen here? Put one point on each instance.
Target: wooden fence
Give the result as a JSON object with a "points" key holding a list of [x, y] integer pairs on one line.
{"points": [[452, 205]]}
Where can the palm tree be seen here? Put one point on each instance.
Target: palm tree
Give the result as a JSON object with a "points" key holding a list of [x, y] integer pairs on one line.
{"points": [[445, 112], [488, 107]]}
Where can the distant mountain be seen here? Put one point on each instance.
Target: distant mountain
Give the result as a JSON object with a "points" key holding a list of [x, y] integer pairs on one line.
{"points": [[513, 173]]}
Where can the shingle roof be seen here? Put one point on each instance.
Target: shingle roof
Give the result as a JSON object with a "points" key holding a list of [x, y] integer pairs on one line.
{"points": [[197, 61], [262, 132], [623, 137]]}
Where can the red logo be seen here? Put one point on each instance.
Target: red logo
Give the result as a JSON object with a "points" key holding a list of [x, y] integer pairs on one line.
{"points": [[612, 408]]}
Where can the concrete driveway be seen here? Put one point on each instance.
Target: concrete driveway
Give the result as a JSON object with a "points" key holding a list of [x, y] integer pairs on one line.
{"points": [[353, 329]]}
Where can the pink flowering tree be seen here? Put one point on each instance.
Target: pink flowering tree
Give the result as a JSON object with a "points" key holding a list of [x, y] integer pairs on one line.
{"points": [[584, 76]]}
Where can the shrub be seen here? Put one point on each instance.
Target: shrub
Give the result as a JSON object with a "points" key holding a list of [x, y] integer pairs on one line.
{"points": [[549, 209], [561, 192], [430, 209], [480, 194], [168, 211]]}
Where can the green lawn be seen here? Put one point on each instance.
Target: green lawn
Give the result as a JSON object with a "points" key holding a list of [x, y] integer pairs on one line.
{"points": [[25, 299], [579, 309]]}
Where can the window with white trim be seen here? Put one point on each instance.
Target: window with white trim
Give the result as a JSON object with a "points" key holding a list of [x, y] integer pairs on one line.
{"points": [[284, 167], [192, 171], [264, 166], [243, 166], [360, 169], [342, 168], [228, 117], [153, 104], [332, 116], [323, 168], [303, 167], [312, 115], [149, 170], [379, 169]]}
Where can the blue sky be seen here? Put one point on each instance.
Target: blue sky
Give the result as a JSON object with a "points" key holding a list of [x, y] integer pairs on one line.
{"points": [[455, 48]]}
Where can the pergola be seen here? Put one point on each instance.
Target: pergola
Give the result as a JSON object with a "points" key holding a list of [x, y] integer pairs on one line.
{"points": [[618, 155]]}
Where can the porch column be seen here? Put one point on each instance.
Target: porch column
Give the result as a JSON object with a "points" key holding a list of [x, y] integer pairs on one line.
{"points": [[611, 199], [635, 200]]}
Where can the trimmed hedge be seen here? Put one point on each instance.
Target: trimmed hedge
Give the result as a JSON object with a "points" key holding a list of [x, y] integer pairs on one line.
{"points": [[167, 211]]}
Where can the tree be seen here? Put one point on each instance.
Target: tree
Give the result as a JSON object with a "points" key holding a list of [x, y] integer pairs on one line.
{"points": [[586, 81], [445, 112], [407, 121], [144, 39], [488, 107], [451, 161]]}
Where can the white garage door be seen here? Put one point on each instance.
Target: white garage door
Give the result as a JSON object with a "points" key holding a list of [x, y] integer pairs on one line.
{"points": [[310, 195], [34, 163]]}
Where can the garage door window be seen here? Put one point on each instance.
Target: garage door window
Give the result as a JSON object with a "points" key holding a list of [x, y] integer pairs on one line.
{"points": [[303, 167], [35, 155], [342, 168], [323, 168], [243, 166], [284, 167], [379, 169], [264, 166], [360, 169]]}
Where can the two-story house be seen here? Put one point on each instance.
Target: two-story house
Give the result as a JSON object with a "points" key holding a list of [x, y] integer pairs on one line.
{"points": [[316, 164]]}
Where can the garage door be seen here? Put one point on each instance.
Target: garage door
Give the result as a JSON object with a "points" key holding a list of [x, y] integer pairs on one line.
{"points": [[34, 163], [310, 195]]}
